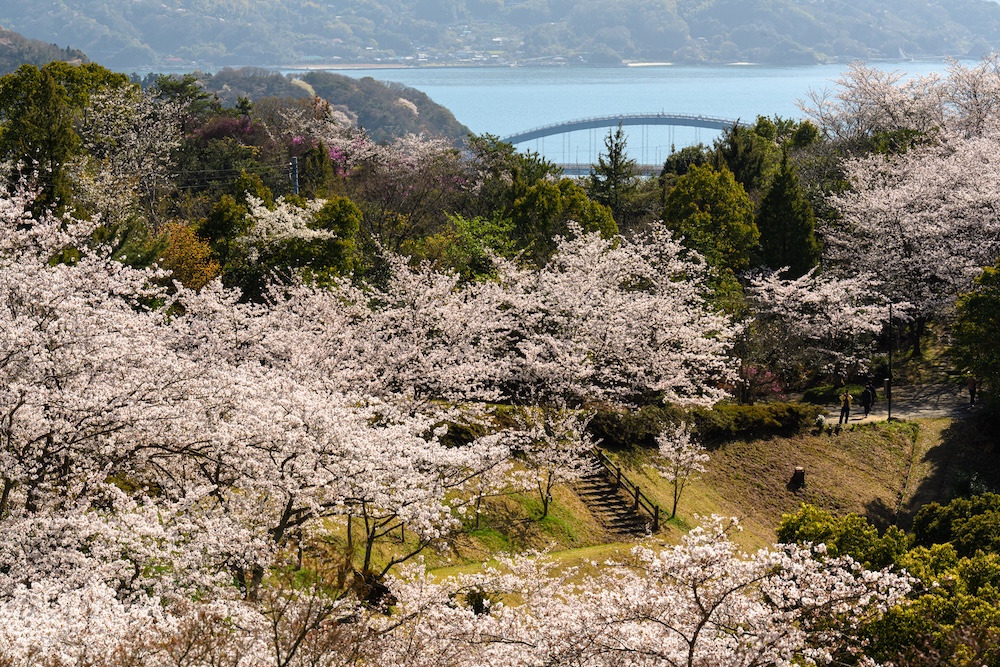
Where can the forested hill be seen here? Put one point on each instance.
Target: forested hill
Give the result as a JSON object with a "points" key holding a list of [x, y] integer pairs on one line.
{"points": [[16, 50], [132, 34], [384, 110]]}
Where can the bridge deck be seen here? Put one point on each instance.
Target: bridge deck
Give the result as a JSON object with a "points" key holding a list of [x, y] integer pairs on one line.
{"points": [[676, 119]]}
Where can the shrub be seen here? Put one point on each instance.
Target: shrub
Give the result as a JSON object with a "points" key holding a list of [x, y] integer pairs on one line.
{"points": [[620, 429], [829, 393], [969, 524], [731, 422], [849, 535], [724, 422]]}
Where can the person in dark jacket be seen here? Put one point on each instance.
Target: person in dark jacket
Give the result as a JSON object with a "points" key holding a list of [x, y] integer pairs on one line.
{"points": [[868, 398]]}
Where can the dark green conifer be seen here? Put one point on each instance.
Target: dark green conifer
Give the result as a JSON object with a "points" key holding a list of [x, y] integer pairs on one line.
{"points": [[787, 225]]}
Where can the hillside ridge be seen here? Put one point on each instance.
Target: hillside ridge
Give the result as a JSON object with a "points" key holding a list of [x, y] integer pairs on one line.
{"points": [[213, 33]]}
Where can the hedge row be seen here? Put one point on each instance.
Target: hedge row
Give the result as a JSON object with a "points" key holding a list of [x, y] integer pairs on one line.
{"points": [[724, 422]]}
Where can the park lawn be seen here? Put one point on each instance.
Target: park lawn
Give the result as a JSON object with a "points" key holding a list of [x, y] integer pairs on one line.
{"points": [[880, 470]]}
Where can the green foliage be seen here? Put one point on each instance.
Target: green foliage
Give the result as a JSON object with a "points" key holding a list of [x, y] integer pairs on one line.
{"points": [[334, 256], [545, 210], [968, 524], [317, 174], [976, 329], [713, 213], [315, 260], [613, 180], [787, 225], [953, 616], [713, 427], [746, 154], [505, 175], [225, 222], [849, 535], [186, 89], [38, 108], [680, 162], [465, 245], [728, 421], [622, 429]]}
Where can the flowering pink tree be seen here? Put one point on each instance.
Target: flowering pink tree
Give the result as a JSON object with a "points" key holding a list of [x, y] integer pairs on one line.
{"points": [[128, 136], [680, 459], [921, 220], [816, 323], [615, 319], [555, 447], [924, 222], [700, 602], [869, 101], [158, 448]]}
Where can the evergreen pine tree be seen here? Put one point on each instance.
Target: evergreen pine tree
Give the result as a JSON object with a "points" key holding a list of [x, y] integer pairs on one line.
{"points": [[744, 153], [613, 180], [787, 225]]}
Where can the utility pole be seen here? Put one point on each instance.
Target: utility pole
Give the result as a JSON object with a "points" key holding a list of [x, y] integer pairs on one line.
{"points": [[888, 380], [295, 175]]}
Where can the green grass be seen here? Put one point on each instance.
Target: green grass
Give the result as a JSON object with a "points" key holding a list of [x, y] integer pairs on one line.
{"points": [[492, 540], [884, 471]]}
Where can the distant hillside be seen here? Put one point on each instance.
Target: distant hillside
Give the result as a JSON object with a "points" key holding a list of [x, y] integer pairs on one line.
{"points": [[135, 34], [16, 50], [384, 110]]}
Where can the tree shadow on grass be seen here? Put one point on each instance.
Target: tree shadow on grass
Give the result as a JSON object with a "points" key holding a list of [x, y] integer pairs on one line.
{"points": [[964, 463], [880, 514]]}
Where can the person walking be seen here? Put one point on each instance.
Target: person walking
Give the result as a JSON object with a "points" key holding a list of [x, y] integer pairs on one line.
{"points": [[868, 398], [845, 406], [970, 383]]}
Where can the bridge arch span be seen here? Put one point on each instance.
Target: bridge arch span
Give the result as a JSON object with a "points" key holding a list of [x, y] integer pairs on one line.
{"points": [[662, 118]]}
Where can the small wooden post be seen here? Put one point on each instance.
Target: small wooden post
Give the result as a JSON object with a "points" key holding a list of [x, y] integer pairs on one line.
{"points": [[798, 477], [618, 478], [635, 508], [402, 533], [656, 518]]}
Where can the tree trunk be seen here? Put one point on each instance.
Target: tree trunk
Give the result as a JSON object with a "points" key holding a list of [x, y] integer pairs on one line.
{"points": [[917, 329]]}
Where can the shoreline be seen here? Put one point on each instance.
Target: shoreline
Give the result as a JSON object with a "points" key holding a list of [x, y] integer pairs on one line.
{"points": [[313, 67]]}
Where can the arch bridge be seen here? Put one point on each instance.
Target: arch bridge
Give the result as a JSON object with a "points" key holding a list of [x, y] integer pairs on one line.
{"points": [[595, 122]]}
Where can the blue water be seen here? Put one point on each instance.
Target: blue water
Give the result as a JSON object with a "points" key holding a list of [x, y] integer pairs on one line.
{"points": [[507, 100]]}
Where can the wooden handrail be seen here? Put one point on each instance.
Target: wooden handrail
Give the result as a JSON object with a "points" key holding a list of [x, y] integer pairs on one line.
{"points": [[640, 500]]}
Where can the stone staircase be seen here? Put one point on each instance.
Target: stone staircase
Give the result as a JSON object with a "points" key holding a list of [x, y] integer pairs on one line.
{"points": [[612, 507]]}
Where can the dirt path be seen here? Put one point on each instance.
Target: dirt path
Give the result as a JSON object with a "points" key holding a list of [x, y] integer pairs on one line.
{"points": [[931, 401], [950, 451]]}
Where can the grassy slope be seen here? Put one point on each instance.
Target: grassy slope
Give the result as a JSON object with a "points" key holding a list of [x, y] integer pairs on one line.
{"points": [[882, 471]]}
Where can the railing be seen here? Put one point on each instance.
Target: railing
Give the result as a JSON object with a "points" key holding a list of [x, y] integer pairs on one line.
{"points": [[640, 502]]}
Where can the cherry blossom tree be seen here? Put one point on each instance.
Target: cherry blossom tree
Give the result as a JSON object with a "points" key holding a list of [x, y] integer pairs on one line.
{"points": [[924, 222], [681, 459], [921, 219], [818, 322], [128, 136], [555, 447], [163, 451], [869, 101], [617, 319], [700, 602]]}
